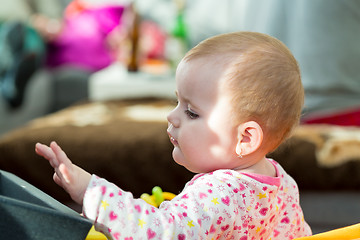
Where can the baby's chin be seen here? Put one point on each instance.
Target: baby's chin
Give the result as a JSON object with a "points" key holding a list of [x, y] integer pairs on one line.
{"points": [[179, 158], [194, 169], [182, 163]]}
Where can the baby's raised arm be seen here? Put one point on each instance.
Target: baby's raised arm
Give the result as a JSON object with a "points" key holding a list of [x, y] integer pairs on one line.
{"points": [[67, 175]]}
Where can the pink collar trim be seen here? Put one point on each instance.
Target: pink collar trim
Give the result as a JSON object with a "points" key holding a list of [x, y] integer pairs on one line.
{"points": [[266, 179]]}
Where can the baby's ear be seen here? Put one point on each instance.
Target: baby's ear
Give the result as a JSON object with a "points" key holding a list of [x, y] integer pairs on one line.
{"points": [[250, 137]]}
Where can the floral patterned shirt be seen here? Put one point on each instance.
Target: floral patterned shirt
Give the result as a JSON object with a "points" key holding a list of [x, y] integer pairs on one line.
{"points": [[223, 204]]}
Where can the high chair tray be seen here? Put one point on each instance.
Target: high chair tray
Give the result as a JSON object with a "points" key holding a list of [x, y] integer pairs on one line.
{"points": [[28, 213]]}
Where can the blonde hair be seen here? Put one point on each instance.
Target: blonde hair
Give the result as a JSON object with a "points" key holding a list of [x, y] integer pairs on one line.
{"points": [[263, 78]]}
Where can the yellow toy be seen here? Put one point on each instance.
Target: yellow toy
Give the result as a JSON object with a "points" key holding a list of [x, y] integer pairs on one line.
{"points": [[347, 233], [157, 197], [95, 235]]}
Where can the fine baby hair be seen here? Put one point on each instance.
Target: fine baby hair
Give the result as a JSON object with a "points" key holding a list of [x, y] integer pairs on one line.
{"points": [[263, 78]]}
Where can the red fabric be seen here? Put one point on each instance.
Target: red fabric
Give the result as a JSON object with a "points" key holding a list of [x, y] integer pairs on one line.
{"points": [[345, 118]]}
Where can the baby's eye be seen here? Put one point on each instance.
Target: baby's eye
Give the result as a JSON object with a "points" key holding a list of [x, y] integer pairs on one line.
{"points": [[191, 114]]}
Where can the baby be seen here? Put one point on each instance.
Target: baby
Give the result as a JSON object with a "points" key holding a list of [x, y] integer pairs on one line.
{"points": [[239, 96]]}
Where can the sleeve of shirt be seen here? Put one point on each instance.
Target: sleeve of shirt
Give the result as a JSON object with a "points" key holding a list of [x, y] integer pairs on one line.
{"points": [[193, 214]]}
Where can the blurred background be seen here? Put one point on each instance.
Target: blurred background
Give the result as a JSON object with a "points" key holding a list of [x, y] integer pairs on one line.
{"points": [[89, 58]]}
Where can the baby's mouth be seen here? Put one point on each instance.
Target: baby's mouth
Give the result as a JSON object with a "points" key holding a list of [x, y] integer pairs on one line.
{"points": [[173, 140]]}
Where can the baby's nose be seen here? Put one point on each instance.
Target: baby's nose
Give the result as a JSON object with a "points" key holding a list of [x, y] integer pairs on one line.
{"points": [[173, 119]]}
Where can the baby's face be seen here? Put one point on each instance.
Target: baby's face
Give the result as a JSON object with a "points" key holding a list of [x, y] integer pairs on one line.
{"points": [[200, 126]]}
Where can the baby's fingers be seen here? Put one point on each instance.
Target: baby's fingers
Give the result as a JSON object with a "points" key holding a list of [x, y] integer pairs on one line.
{"points": [[57, 180], [65, 165], [64, 170], [60, 154], [47, 153]]}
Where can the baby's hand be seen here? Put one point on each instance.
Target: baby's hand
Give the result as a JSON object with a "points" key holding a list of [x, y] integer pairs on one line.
{"points": [[67, 175]]}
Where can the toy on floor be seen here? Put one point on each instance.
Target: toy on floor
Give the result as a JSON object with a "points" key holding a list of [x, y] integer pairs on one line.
{"points": [[157, 197]]}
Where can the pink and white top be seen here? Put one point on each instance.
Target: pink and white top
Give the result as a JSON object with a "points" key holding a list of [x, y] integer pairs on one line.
{"points": [[223, 204]]}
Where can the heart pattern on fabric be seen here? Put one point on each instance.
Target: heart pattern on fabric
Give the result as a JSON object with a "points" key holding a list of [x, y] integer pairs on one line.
{"points": [[285, 220], [226, 200], [202, 195], [224, 228], [181, 237], [116, 235], [103, 190], [263, 211], [150, 233], [113, 216], [138, 208]]}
